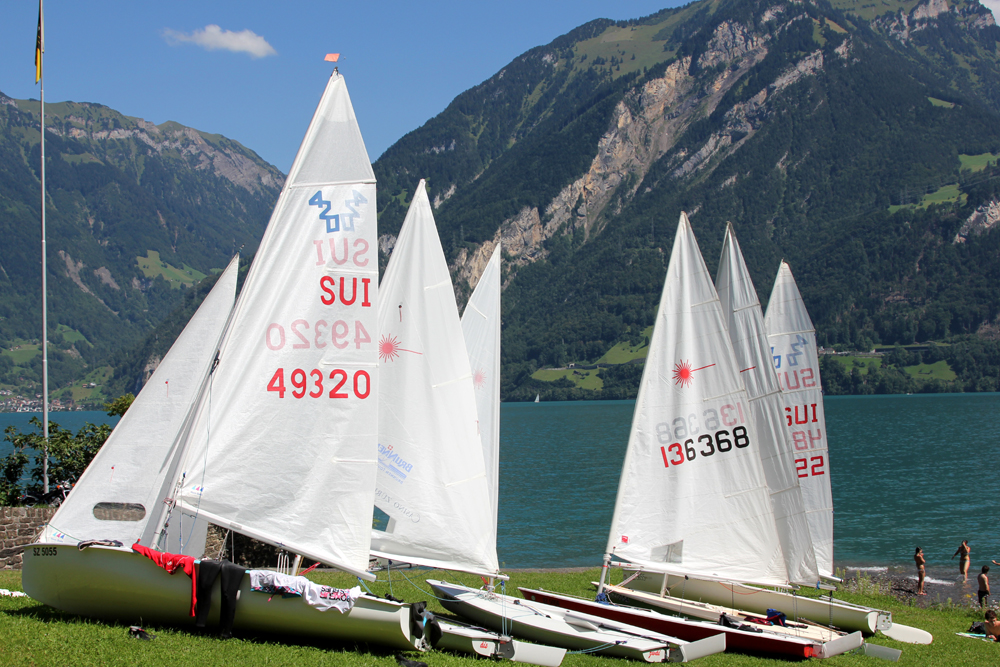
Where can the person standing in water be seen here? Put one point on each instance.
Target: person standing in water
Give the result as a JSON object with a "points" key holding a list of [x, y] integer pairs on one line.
{"points": [[984, 586], [963, 559], [919, 559]]}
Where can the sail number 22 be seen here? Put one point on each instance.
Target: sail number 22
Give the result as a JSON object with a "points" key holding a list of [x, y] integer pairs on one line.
{"points": [[311, 383]]}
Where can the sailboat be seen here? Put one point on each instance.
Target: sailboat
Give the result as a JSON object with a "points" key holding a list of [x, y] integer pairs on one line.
{"points": [[431, 480], [782, 458], [693, 502], [745, 324], [433, 487], [537, 397], [279, 441]]}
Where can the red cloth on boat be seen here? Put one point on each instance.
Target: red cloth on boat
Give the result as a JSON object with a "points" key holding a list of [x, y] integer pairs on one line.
{"points": [[171, 563]]}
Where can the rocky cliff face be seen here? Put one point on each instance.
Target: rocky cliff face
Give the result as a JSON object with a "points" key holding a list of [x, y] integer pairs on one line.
{"points": [[97, 125], [645, 127]]}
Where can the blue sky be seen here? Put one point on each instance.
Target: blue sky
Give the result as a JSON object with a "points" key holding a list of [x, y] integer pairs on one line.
{"points": [[403, 61]]}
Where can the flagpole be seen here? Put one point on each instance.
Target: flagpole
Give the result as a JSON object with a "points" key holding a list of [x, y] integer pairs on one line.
{"points": [[45, 318]]}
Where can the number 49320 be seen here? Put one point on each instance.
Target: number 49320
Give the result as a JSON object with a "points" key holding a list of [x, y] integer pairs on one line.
{"points": [[311, 383]]}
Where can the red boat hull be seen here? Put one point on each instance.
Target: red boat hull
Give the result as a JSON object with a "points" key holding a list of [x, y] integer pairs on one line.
{"points": [[736, 640]]}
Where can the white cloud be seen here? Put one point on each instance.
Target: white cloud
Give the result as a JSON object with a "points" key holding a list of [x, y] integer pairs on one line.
{"points": [[993, 6], [213, 38]]}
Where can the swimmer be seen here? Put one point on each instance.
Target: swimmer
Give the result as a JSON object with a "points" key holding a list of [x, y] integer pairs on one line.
{"points": [[992, 625], [963, 559], [984, 586], [919, 559]]}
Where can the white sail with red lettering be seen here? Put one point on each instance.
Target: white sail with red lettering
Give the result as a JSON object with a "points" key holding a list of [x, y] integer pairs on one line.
{"points": [[481, 326], [283, 444], [745, 321], [431, 480], [792, 337], [692, 498]]}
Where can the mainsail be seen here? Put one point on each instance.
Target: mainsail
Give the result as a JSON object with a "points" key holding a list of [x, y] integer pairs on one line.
{"points": [[792, 337], [692, 498], [481, 326], [431, 475], [283, 446], [120, 491], [745, 320]]}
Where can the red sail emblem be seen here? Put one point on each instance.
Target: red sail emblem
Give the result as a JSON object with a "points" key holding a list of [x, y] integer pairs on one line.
{"points": [[684, 374]]}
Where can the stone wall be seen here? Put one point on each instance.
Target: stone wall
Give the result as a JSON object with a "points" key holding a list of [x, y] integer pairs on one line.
{"points": [[18, 527]]}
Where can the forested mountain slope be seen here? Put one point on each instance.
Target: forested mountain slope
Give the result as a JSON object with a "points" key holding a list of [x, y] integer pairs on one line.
{"points": [[136, 214], [855, 140]]}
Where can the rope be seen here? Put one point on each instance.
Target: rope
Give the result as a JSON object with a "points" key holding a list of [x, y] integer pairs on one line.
{"points": [[598, 648]]}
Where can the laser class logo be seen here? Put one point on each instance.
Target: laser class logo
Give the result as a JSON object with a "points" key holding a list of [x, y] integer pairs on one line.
{"points": [[479, 378], [684, 374], [334, 220], [389, 349]]}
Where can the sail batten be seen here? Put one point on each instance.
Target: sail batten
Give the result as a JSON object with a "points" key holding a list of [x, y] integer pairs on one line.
{"points": [[692, 496], [749, 338]]}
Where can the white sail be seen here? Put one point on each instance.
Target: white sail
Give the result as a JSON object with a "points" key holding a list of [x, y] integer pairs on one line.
{"points": [[692, 498], [283, 447], [745, 319], [796, 360], [481, 326], [120, 491], [431, 474]]}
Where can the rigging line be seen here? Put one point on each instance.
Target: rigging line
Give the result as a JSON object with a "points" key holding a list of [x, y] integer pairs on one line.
{"points": [[430, 595], [600, 647], [204, 466]]}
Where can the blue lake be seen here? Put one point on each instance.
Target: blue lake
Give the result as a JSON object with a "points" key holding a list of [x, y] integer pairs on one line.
{"points": [[906, 471]]}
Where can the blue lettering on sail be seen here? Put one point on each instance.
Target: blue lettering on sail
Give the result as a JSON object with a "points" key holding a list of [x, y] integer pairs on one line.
{"points": [[800, 342], [333, 219], [393, 464], [357, 200]]}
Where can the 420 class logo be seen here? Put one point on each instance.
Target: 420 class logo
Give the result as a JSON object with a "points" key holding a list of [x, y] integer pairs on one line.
{"points": [[334, 220]]}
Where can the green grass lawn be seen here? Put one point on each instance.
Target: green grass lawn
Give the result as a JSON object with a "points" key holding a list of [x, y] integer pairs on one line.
{"points": [[978, 162], [581, 377], [23, 352], [941, 103], [863, 362], [622, 353], [939, 370], [947, 194], [33, 634], [153, 266], [70, 334]]}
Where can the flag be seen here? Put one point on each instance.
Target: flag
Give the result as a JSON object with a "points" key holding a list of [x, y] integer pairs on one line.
{"points": [[330, 57], [39, 45]]}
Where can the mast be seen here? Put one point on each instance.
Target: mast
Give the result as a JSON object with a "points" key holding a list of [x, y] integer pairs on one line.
{"points": [[39, 50]]}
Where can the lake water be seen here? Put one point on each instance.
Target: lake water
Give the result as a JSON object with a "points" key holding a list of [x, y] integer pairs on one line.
{"points": [[906, 471]]}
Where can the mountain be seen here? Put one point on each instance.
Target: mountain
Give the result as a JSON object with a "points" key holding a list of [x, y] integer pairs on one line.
{"points": [[856, 140], [136, 214]]}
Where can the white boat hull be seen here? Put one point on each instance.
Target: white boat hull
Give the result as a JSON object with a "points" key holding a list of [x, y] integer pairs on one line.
{"points": [[486, 644], [573, 630], [840, 615], [117, 584]]}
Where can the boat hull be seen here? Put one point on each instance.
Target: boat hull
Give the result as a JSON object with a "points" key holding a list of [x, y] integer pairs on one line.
{"points": [[545, 625], [487, 644], [736, 640], [758, 600], [115, 584]]}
